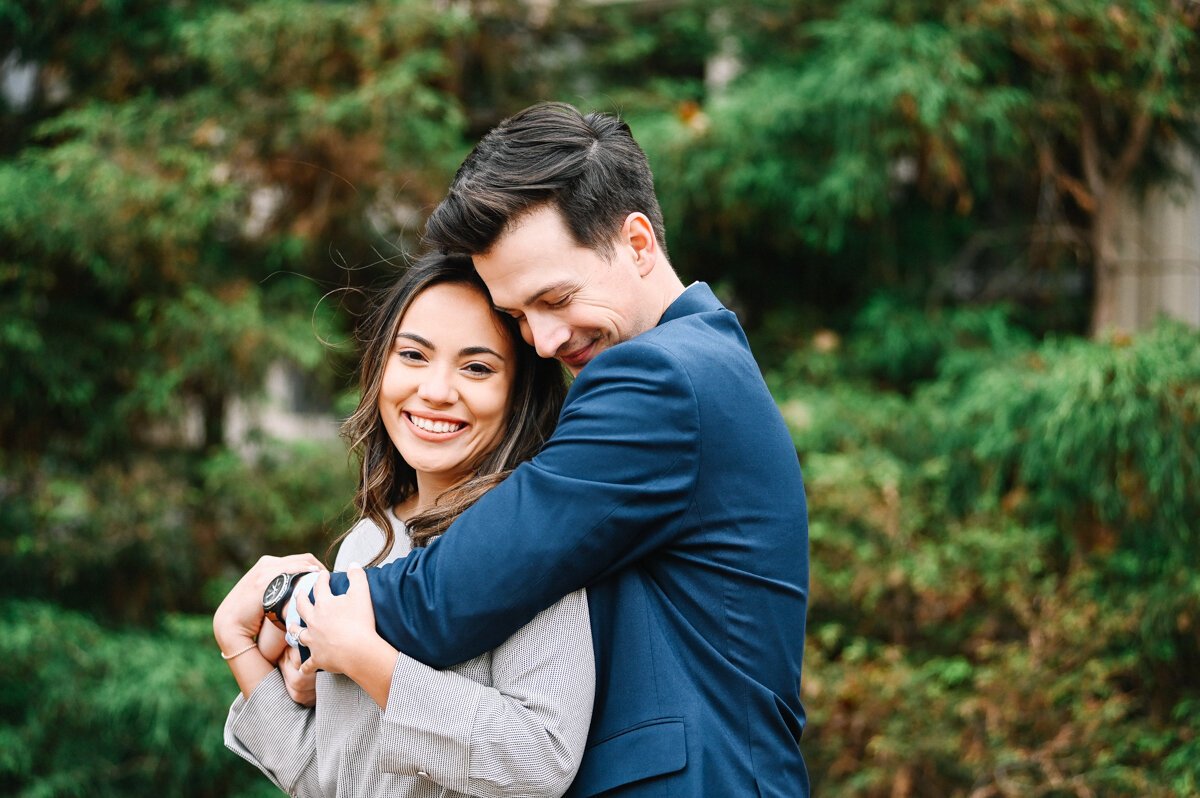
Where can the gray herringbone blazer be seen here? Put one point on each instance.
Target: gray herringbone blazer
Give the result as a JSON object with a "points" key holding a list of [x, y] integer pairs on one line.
{"points": [[511, 722]]}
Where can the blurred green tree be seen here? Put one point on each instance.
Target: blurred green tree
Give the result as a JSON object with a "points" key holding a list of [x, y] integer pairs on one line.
{"points": [[180, 186], [191, 192], [851, 122]]}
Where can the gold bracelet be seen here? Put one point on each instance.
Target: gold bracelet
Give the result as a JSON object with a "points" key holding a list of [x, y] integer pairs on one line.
{"points": [[228, 657]]}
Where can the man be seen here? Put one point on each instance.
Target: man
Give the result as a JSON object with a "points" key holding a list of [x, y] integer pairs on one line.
{"points": [[670, 489]]}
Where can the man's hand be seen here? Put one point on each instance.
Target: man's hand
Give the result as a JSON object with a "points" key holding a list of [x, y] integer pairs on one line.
{"points": [[301, 686]]}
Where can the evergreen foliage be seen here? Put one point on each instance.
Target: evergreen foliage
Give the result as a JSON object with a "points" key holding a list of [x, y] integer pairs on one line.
{"points": [[1003, 601], [1004, 598], [90, 711]]}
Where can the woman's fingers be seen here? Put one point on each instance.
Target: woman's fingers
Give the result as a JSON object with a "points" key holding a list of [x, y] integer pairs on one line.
{"points": [[321, 588], [240, 614], [358, 581], [295, 563], [333, 624], [301, 686], [303, 605]]}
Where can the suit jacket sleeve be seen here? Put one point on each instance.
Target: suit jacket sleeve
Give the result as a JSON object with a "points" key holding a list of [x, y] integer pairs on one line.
{"points": [[275, 734], [604, 492], [521, 738]]}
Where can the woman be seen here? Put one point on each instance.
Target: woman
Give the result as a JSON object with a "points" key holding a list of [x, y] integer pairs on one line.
{"points": [[452, 400]]}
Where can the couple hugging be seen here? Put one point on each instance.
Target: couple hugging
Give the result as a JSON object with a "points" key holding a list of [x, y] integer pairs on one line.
{"points": [[589, 590]]}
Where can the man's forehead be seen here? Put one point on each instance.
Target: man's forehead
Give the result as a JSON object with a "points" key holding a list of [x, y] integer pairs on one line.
{"points": [[509, 280]]}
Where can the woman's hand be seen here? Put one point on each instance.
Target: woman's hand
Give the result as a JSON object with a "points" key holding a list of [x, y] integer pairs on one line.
{"points": [[336, 627], [271, 642], [238, 620], [340, 635], [302, 687]]}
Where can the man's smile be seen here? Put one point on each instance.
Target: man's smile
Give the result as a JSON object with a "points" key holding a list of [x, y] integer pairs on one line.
{"points": [[580, 357]]}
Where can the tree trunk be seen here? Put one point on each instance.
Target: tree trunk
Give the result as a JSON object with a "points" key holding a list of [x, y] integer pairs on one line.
{"points": [[1104, 267]]}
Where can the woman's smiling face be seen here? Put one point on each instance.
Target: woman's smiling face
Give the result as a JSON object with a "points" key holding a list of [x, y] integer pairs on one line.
{"points": [[446, 385]]}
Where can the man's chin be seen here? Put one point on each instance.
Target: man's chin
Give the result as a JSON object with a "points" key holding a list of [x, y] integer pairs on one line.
{"points": [[574, 369], [576, 360]]}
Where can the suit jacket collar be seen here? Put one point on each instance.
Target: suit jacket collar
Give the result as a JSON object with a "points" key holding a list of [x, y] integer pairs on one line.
{"points": [[696, 298]]}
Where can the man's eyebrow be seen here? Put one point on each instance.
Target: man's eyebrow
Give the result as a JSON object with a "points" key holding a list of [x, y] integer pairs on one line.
{"points": [[538, 294]]}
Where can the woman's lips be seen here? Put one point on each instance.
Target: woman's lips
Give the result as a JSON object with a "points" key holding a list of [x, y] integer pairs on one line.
{"points": [[434, 429]]}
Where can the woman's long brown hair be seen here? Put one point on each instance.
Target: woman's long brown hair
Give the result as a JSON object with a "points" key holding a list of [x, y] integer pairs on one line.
{"points": [[384, 478]]}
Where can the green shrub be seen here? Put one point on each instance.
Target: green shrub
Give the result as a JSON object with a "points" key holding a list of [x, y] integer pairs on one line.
{"points": [[1100, 439], [900, 346], [963, 656], [892, 347], [88, 711], [1053, 711], [842, 418], [1003, 600]]}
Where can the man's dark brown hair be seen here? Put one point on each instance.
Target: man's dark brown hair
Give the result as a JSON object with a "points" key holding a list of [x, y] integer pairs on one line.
{"points": [[588, 167]]}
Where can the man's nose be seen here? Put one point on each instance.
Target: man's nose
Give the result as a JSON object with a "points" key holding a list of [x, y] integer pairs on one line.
{"points": [[548, 334]]}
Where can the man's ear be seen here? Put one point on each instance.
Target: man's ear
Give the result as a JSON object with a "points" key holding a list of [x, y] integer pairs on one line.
{"points": [[638, 234]]}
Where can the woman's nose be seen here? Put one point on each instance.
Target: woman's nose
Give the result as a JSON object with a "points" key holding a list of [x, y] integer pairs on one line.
{"points": [[437, 388]]}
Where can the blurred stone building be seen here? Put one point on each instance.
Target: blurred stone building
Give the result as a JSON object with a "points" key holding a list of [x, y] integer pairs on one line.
{"points": [[1158, 241]]}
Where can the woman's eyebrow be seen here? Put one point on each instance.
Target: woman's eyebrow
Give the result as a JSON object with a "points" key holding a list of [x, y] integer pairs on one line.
{"points": [[466, 351], [425, 342], [479, 350]]}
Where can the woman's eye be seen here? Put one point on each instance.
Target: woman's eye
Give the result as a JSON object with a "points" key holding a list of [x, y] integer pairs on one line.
{"points": [[479, 369], [410, 354]]}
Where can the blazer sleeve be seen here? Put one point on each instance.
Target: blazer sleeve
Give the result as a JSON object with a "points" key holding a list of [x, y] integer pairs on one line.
{"points": [[606, 490], [522, 737], [276, 735]]}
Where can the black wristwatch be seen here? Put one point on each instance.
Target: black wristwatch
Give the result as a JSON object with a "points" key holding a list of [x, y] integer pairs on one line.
{"points": [[276, 596]]}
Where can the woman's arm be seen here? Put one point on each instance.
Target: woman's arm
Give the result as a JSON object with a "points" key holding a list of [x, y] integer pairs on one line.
{"points": [[239, 619], [278, 736], [271, 642], [524, 736], [265, 726]]}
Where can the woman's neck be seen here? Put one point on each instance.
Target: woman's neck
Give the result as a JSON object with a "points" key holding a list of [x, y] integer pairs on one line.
{"points": [[430, 487]]}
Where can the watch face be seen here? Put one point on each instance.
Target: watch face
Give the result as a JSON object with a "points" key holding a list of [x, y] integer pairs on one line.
{"points": [[275, 590]]}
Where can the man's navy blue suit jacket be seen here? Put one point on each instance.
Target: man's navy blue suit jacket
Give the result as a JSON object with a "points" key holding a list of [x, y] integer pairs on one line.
{"points": [[672, 491]]}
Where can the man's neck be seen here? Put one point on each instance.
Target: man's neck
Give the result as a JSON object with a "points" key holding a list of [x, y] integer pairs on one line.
{"points": [[670, 289]]}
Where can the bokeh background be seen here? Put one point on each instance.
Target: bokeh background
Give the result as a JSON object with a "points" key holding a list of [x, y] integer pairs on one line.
{"points": [[963, 236]]}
